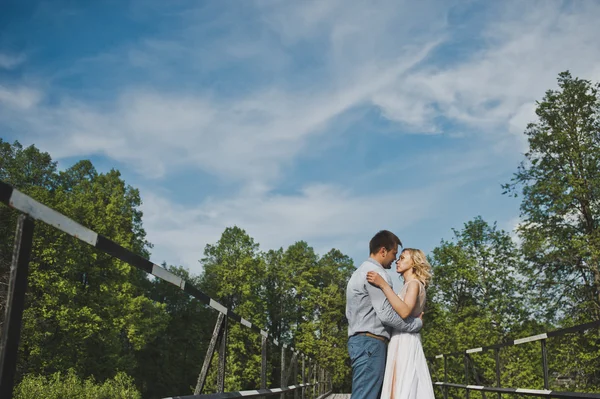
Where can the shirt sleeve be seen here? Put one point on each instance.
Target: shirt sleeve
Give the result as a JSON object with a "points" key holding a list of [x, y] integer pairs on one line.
{"points": [[388, 315]]}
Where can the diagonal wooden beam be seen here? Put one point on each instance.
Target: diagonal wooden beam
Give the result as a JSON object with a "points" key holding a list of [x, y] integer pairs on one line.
{"points": [[290, 369], [209, 354]]}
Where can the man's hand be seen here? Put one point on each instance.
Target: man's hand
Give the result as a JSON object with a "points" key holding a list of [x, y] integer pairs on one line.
{"points": [[421, 316]]}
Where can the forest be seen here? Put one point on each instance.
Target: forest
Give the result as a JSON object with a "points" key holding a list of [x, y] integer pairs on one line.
{"points": [[96, 325]]}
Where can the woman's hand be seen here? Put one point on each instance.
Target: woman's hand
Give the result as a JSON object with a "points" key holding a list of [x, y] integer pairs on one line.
{"points": [[376, 279]]}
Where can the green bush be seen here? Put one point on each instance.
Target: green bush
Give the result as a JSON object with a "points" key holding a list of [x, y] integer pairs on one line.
{"points": [[69, 385]]}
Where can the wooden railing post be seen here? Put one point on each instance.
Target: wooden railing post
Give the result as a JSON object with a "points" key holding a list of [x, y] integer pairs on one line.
{"points": [[316, 380], [263, 363], [545, 364], [445, 377], [497, 357], [222, 359], [466, 357], [282, 396], [320, 381], [295, 381], [303, 377], [15, 304], [311, 377]]}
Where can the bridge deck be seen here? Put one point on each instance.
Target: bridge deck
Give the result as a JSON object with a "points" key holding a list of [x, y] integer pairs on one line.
{"points": [[339, 396]]}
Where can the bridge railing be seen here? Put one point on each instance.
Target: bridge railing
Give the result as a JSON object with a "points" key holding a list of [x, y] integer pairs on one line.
{"points": [[498, 389], [316, 381]]}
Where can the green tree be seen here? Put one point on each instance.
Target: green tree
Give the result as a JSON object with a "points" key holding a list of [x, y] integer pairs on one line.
{"points": [[559, 182], [234, 275], [480, 270], [84, 310], [169, 365], [331, 329], [32, 172], [301, 263], [476, 298], [278, 294], [298, 296]]}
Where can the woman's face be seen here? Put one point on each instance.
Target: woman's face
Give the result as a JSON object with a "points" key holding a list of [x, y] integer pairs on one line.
{"points": [[404, 263]]}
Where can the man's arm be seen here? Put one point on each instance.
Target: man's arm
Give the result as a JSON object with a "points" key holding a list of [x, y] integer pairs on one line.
{"points": [[388, 315]]}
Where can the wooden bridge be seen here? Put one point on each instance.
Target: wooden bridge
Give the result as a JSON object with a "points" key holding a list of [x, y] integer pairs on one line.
{"points": [[301, 376]]}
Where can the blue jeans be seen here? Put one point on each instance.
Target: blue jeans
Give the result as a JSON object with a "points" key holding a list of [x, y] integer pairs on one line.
{"points": [[367, 356]]}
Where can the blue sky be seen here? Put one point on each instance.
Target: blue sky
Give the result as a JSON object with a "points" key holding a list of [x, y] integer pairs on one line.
{"points": [[322, 121]]}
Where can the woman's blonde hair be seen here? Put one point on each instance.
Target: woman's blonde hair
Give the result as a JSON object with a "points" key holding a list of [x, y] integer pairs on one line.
{"points": [[422, 268]]}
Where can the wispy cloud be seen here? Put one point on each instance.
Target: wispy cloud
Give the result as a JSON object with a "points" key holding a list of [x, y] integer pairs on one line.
{"points": [[324, 214], [11, 61], [22, 98], [246, 138], [247, 93], [254, 135]]}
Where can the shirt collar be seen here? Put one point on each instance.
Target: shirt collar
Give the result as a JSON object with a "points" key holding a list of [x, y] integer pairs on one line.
{"points": [[373, 261]]}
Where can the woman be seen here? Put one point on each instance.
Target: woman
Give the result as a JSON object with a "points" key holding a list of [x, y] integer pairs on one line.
{"points": [[406, 372]]}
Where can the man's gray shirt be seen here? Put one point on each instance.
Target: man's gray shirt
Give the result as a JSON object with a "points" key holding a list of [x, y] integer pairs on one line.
{"points": [[367, 308]]}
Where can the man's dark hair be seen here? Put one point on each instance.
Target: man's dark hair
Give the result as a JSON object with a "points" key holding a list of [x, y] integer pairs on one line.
{"points": [[385, 239]]}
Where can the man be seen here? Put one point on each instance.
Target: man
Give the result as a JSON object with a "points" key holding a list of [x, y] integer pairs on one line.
{"points": [[371, 318]]}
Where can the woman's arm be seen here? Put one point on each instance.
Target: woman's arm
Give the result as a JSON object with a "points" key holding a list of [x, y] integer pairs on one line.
{"points": [[403, 308]]}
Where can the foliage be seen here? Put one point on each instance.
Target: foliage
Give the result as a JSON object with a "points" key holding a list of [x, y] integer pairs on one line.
{"points": [[294, 294], [169, 364], [559, 181], [84, 310], [69, 385]]}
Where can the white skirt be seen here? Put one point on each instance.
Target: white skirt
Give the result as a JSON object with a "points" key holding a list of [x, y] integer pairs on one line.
{"points": [[406, 372]]}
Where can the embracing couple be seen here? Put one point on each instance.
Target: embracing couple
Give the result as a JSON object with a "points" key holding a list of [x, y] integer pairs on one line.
{"points": [[383, 327]]}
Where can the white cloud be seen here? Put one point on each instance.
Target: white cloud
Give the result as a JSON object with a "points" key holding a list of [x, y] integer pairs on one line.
{"points": [[11, 61], [23, 98], [324, 214], [495, 88], [254, 137], [511, 226], [250, 138], [371, 57], [519, 120]]}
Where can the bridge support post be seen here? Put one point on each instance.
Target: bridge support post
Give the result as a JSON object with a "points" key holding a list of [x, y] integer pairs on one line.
{"points": [[282, 396], [295, 380], [222, 358], [316, 389], [467, 374], [320, 381], [263, 363], [311, 370], [209, 354], [545, 363], [315, 386], [15, 304], [497, 357], [303, 377], [445, 377]]}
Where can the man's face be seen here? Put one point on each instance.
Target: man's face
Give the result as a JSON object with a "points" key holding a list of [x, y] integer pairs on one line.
{"points": [[389, 257]]}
